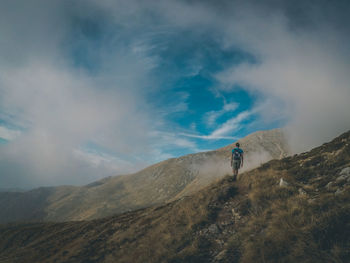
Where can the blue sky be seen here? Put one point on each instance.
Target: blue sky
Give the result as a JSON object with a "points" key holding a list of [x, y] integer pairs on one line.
{"points": [[90, 89], [183, 92]]}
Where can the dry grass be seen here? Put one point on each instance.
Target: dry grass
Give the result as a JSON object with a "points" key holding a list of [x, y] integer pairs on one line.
{"points": [[252, 220], [286, 226]]}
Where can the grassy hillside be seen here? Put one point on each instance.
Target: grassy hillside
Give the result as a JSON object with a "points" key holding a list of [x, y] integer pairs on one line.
{"points": [[306, 219], [157, 184]]}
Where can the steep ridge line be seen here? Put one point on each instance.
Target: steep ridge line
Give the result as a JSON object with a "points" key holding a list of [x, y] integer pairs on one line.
{"points": [[253, 219], [157, 184]]}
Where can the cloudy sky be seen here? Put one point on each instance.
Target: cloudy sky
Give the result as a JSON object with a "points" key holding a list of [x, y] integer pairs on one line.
{"points": [[95, 88]]}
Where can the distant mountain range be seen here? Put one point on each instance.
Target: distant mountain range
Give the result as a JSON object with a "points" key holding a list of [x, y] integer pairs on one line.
{"points": [[2, 189], [292, 210], [157, 184]]}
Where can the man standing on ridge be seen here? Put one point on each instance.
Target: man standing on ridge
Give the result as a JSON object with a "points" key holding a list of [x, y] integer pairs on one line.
{"points": [[236, 160]]}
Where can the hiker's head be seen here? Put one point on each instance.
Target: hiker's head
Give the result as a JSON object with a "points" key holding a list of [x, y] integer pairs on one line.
{"points": [[237, 144]]}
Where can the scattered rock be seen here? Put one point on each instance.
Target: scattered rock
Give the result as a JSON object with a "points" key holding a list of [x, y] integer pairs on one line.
{"points": [[318, 178], [221, 255], [339, 191], [235, 214], [346, 170], [344, 175], [301, 191], [329, 185], [213, 229], [220, 242], [311, 200], [283, 183]]}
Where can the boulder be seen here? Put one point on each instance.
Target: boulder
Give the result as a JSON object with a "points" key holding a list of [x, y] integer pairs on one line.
{"points": [[329, 185], [283, 183], [344, 175], [301, 191], [213, 229], [339, 191]]}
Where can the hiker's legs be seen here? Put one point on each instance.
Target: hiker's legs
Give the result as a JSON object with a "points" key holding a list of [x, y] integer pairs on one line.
{"points": [[235, 167], [235, 173]]}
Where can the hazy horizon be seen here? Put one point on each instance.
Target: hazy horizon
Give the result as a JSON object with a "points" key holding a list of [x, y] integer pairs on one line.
{"points": [[90, 89]]}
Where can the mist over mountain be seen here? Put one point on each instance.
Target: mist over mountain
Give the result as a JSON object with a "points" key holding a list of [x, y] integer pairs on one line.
{"points": [[162, 182], [117, 120], [292, 210], [95, 88], [13, 190]]}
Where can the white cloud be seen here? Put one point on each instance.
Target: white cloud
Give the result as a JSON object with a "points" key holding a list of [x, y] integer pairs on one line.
{"points": [[101, 160], [207, 137], [302, 60], [176, 104], [160, 155], [163, 139], [300, 71], [62, 110], [9, 134], [212, 116], [61, 106], [231, 126]]}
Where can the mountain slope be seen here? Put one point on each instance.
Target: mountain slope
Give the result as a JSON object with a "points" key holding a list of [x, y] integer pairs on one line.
{"points": [[306, 218], [159, 183]]}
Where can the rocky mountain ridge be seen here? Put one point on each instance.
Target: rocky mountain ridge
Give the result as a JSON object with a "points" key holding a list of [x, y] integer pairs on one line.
{"points": [[292, 210], [159, 183]]}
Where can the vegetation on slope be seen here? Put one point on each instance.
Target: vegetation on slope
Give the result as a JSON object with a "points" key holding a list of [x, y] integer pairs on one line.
{"points": [[254, 219], [154, 185]]}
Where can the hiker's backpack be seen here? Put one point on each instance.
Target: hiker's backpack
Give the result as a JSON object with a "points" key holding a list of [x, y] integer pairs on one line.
{"points": [[236, 154]]}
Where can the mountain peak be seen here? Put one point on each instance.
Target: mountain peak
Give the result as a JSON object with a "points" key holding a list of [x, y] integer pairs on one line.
{"points": [[305, 220], [157, 184]]}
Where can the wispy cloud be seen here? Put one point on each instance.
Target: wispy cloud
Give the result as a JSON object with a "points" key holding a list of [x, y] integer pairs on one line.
{"points": [[178, 103], [9, 134], [170, 138], [212, 116], [166, 143], [303, 73], [48, 87], [102, 160], [231, 126], [83, 73], [207, 137]]}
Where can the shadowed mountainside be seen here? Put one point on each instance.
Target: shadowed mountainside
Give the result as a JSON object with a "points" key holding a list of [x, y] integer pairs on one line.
{"points": [[159, 183], [305, 217]]}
